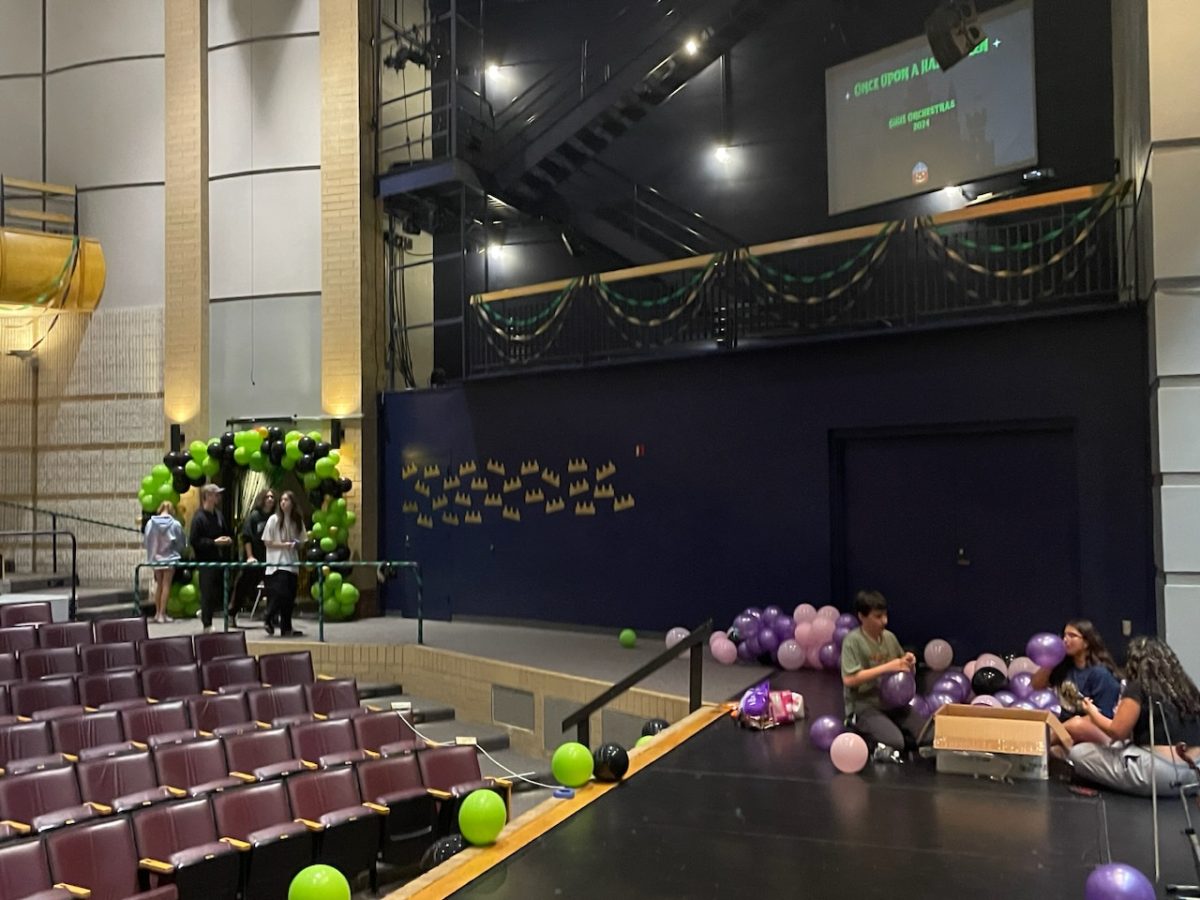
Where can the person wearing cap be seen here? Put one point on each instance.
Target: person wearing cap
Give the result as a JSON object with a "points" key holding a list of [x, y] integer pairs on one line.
{"points": [[210, 541]]}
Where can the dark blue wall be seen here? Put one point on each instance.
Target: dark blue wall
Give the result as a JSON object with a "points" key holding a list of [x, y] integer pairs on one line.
{"points": [[733, 493]]}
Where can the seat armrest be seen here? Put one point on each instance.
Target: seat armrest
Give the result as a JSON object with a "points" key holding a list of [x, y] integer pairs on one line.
{"points": [[311, 825], [375, 807], [16, 826], [235, 843], [156, 865], [441, 795], [73, 889], [243, 776], [99, 807]]}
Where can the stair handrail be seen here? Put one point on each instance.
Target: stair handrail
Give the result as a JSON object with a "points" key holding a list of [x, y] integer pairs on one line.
{"points": [[55, 515], [74, 557], [692, 644]]}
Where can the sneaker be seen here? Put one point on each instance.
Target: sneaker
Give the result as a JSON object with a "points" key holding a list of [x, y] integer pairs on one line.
{"points": [[269, 629], [207, 630], [884, 753]]}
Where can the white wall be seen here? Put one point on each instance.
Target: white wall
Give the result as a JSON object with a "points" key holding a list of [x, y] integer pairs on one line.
{"points": [[21, 97]]}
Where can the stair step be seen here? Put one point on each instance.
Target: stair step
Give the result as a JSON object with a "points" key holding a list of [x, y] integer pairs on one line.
{"points": [[368, 690], [34, 582], [489, 737], [423, 710]]}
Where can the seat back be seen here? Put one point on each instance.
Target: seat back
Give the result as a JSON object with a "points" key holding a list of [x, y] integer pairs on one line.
{"points": [[212, 711], [25, 614], [376, 730], [10, 667], [104, 779], [444, 767], [24, 740], [312, 794], [312, 740], [230, 671], [80, 732], [140, 722], [99, 856], [329, 694], [171, 682], [23, 869], [219, 643], [30, 697], [109, 687], [5, 709], [187, 765], [64, 634], [269, 704], [380, 777], [167, 651], [240, 813], [167, 828], [255, 749], [286, 668], [18, 638], [48, 662], [112, 657], [111, 631], [25, 797]]}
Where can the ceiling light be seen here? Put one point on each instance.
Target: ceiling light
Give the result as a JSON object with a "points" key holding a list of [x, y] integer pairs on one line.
{"points": [[495, 250], [722, 153], [692, 47], [493, 69]]}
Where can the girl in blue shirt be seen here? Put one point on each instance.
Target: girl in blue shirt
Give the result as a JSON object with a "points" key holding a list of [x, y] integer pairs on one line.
{"points": [[1091, 668]]}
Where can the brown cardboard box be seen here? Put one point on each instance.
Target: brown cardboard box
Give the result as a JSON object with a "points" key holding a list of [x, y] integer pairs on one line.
{"points": [[995, 742]]}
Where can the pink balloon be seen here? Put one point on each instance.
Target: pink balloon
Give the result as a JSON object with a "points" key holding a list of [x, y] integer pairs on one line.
{"points": [[805, 612], [804, 634], [822, 631], [849, 753], [790, 655], [969, 669], [724, 652], [828, 612], [675, 635], [992, 661], [1021, 664], [938, 654], [986, 700], [812, 657], [717, 636]]}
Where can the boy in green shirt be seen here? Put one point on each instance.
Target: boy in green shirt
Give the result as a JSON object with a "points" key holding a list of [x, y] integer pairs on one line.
{"points": [[869, 653]]}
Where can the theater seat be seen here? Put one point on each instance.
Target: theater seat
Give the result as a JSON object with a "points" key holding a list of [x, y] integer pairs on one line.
{"points": [[197, 767], [5, 709], [18, 638], [24, 614], [179, 845], [455, 770], [64, 634], [411, 825], [10, 668], [48, 662], [219, 643], [31, 697], [27, 746], [90, 735], [45, 799], [111, 690], [336, 698], [171, 682], [125, 782], [155, 724], [112, 631], [113, 657], [262, 755], [230, 672], [279, 705], [25, 874], [386, 733], [258, 820], [347, 831], [327, 743], [286, 668], [168, 651], [101, 857], [221, 714]]}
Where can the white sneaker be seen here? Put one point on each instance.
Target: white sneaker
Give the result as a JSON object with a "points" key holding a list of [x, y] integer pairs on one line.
{"points": [[207, 630], [884, 753]]}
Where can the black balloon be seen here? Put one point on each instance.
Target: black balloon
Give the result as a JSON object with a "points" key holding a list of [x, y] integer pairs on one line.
{"points": [[275, 452], [988, 680], [305, 463], [312, 550], [315, 498], [227, 439], [322, 449], [345, 484], [654, 726], [275, 434], [441, 850], [306, 444], [329, 486], [214, 450], [610, 762]]}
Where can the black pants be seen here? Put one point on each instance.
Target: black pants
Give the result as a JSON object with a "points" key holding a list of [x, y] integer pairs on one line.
{"points": [[281, 588], [211, 594], [243, 592]]}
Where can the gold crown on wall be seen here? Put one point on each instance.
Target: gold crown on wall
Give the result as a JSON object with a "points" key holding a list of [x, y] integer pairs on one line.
{"points": [[461, 499], [578, 487], [425, 521], [577, 465], [558, 504], [422, 488], [496, 468], [479, 484], [409, 471], [585, 508], [604, 492], [473, 517], [449, 518], [408, 506], [492, 500], [534, 496], [606, 471], [467, 468], [440, 501], [623, 503], [511, 484], [432, 471], [450, 484], [530, 467], [512, 514], [551, 478]]}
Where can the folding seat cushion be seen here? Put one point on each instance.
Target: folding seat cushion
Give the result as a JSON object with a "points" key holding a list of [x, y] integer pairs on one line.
{"points": [[411, 825], [197, 767], [171, 682], [101, 857], [25, 746], [221, 714], [455, 770], [286, 668], [10, 668], [49, 662], [31, 697], [108, 688], [386, 733], [219, 643], [110, 631], [167, 651], [124, 782], [328, 743], [347, 831], [17, 638], [24, 614], [238, 672], [45, 799], [334, 697], [90, 734], [262, 755], [279, 705], [65, 634], [156, 724], [178, 844], [25, 874], [261, 823], [113, 657]]}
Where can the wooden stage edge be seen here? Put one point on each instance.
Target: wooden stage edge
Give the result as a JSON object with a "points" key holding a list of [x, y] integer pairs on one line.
{"points": [[473, 862]]}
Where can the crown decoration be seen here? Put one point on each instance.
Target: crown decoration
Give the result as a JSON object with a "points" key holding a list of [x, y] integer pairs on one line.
{"points": [[530, 467], [473, 517], [449, 518], [479, 484], [511, 484], [461, 499], [467, 468], [551, 478], [421, 488], [576, 465], [585, 508], [439, 501], [496, 468], [492, 500], [408, 506], [512, 514], [425, 521], [608, 470], [432, 471], [450, 484], [408, 471], [623, 503], [556, 505], [578, 487], [604, 492], [534, 496]]}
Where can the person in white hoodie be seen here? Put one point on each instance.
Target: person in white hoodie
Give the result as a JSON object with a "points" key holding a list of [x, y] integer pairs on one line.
{"points": [[164, 542]]}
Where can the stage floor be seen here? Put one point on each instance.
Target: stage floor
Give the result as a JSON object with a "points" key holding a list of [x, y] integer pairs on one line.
{"points": [[737, 813]]}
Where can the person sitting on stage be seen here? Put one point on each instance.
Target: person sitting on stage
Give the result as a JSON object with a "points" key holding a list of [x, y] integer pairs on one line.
{"points": [[1158, 694], [1091, 669], [870, 652]]}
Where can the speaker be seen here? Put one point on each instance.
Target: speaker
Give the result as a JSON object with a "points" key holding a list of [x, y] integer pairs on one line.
{"points": [[953, 31]]}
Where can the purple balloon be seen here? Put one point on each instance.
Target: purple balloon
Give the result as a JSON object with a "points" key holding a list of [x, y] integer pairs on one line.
{"points": [[1006, 698], [772, 612], [823, 730], [1046, 649], [1043, 699], [1117, 881], [746, 625], [839, 634], [784, 627], [986, 700], [1021, 685], [1024, 704], [1055, 708], [830, 656], [753, 611], [920, 706], [897, 689], [752, 645], [768, 641], [744, 652], [961, 677], [950, 687], [937, 700], [847, 620]]}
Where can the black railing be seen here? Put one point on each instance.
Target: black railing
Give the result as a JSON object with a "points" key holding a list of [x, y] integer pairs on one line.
{"points": [[55, 516], [692, 645], [74, 558]]}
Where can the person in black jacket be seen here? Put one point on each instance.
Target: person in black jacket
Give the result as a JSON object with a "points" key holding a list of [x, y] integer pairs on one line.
{"points": [[210, 542], [250, 537]]}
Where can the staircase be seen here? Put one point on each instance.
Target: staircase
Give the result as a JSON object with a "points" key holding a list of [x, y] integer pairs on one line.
{"points": [[55, 589]]}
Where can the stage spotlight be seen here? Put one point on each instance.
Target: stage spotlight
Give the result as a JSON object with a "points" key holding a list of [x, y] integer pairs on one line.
{"points": [[953, 31], [492, 70], [692, 47], [496, 250], [722, 153]]}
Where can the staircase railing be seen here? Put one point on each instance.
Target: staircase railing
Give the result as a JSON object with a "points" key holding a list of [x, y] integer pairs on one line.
{"points": [[692, 645], [74, 557], [53, 532]]}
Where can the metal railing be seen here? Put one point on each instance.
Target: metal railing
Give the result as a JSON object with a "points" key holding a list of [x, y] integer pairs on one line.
{"points": [[385, 565], [54, 516], [71, 600], [692, 645]]}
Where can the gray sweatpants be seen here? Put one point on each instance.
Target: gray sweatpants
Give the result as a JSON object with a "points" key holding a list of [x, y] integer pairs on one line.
{"points": [[889, 727], [1129, 768]]}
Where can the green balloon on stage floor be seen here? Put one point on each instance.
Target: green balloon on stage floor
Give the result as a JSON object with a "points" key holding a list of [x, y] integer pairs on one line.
{"points": [[319, 883], [572, 764], [627, 637], [643, 740], [481, 817]]}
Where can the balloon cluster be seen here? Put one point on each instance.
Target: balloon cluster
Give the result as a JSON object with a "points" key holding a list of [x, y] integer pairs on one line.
{"points": [[807, 637]]}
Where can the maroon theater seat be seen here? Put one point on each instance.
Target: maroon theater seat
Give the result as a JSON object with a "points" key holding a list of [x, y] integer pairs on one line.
{"points": [[262, 755], [336, 698], [31, 697], [286, 668], [18, 638], [101, 857], [111, 689], [65, 634], [221, 714], [386, 733], [111, 631], [178, 844], [328, 743], [25, 874], [196, 767], [347, 832], [49, 662], [124, 782], [230, 672], [45, 799], [114, 657], [168, 651], [5, 709], [219, 643], [26, 746], [455, 770], [10, 668], [171, 682], [282, 705], [276, 847], [156, 724], [12, 614], [411, 824], [89, 735]]}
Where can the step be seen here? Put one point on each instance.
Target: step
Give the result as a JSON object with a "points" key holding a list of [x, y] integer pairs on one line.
{"points": [[34, 582], [423, 710], [367, 690], [489, 737]]}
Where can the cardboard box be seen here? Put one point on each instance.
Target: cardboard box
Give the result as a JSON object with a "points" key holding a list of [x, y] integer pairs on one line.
{"points": [[995, 742]]}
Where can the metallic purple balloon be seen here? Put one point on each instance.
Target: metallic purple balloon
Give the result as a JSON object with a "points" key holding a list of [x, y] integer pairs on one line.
{"points": [[950, 687], [768, 641], [1043, 699], [823, 730], [772, 612], [839, 634], [830, 656], [1006, 698], [1024, 704], [1021, 685], [897, 689], [746, 625], [784, 627], [1046, 649], [920, 706], [744, 652], [847, 620], [1117, 881], [753, 611], [752, 644], [986, 700], [959, 676], [937, 700]]}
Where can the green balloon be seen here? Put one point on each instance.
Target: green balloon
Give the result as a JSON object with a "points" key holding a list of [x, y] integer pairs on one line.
{"points": [[210, 467], [572, 764], [335, 456], [334, 532], [482, 816], [193, 469], [146, 498], [340, 505], [316, 436], [334, 579], [311, 480], [292, 436], [348, 594], [241, 455], [628, 638], [188, 593], [351, 518], [288, 463], [332, 607], [292, 450], [160, 473], [164, 493], [149, 483], [258, 462], [319, 883], [330, 593], [324, 467], [315, 591], [328, 544], [198, 450], [643, 740], [318, 517], [318, 531]]}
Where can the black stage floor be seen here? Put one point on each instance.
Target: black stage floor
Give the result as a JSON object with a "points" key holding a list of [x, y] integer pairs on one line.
{"points": [[737, 813]]}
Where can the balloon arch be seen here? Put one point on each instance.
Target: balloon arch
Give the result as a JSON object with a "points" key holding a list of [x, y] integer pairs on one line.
{"points": [[279, 456]]}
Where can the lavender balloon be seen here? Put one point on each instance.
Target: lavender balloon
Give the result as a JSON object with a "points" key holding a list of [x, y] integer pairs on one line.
{"points": [[920, 706], [1117, 881], [768, 641], [745, 652], [771, 613], [1006, 698], [986, 700], [812, 657], [936, 701], [822, 630], [1021, 685], [897, 689], [847, 620], [747, 625], [1024, 704], [961, 678], [805, 612], [784, 627], [790, 655], [754, 611], [839, 635], [823, 730], [830, 656], [803, 634], [1046, 649], [724, 652], [1043, 699], [949, 687]]}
